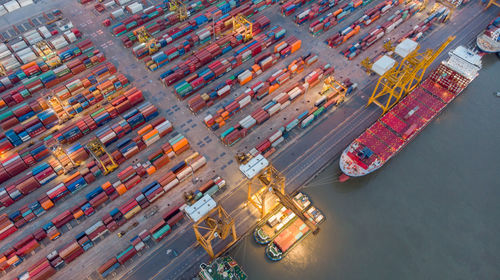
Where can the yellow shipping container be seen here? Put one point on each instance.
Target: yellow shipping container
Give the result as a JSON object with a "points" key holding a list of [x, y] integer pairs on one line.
{"points": [[132, 212]]}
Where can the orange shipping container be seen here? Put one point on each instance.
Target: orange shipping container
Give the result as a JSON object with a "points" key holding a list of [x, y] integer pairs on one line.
{"points": [[121, 189], [179, 145], [255, 68], [106, 185], [145, 129], [248, 79], [225, 115], [296, 45], [149, 134], [71, 177], [151, 170], [273, 88], [78, 214], [13, 260], [28, 65], [47, 204]]}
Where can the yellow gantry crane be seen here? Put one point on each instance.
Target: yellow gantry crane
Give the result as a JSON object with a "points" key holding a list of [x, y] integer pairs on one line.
{"points": [[492, 3], [179, 7], [242, 26], [97, 150], [400, 80], [215, 224], [333, 89], [142, 34], [270, 181]]}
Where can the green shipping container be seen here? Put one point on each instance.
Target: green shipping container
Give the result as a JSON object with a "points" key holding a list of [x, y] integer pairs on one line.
{"points": [[6, 115], [161, 232], [97, 112], [124, 252]]}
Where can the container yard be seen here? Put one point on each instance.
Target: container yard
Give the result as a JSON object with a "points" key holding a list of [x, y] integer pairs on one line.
{"points": [[124, 125]]}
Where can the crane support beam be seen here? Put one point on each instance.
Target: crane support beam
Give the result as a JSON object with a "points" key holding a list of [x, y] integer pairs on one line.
{"points": [[218, 224]]}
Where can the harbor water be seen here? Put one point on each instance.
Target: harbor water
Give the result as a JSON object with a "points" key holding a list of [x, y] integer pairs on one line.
{"points": [[432, 212]]}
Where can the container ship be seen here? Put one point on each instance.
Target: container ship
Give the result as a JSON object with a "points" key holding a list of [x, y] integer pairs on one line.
{"points": [[395, 129], [291, 234]]}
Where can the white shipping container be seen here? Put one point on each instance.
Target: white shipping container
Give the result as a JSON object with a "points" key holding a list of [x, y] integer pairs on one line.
{"points": [[207, 118], [254, 152], [294, 93], [280, 48], [24, 52], [70, 36], [248, 122], [279, 96], [122, 2], [184, 173], [6, 82], [245, 101], [246, 54], [199, 163], [170, 185], [60, 69], [266, 60], [243, 76], [275, 136], [3, 48], [108, 137], [29, 57], [18, 46], [277, 142], [3, 11], [11, 6], [274, 109], [24, 3], [44, 32], [284, 105], [117, 13], [134, 8], [4, 54], [138, 47], [108, 4], [10, 63], [223, 90], [139, 246], [59, 42]]}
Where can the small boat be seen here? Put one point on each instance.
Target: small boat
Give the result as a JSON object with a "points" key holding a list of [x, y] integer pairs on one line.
{"points": [[498, 93]]}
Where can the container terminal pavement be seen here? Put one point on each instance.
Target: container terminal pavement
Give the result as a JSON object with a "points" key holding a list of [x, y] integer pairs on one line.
{"points": [[114, 115]]}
